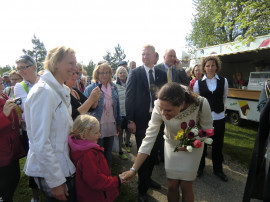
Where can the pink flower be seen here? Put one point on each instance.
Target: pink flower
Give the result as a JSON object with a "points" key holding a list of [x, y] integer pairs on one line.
{"points": [[202, 133], [191, 123], [184, 125], [190, 135], [197, 144], [209, 132]]}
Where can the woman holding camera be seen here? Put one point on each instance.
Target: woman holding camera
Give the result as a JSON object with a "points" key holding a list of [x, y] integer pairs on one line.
{"points": [[79, 103], [10, 146]]}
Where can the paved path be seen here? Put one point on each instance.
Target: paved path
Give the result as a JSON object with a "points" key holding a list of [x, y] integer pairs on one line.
{"points": [[207, 188]]}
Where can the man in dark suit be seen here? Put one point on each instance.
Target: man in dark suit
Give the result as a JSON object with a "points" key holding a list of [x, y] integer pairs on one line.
{"points": [[140, 95], [173, 74]]}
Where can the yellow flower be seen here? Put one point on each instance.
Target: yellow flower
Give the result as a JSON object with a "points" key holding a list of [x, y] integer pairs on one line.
{"points": [[179, 134]]}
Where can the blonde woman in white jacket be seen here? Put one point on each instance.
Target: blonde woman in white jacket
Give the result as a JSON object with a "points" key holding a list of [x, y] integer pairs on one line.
{"points": [[48, 120]]}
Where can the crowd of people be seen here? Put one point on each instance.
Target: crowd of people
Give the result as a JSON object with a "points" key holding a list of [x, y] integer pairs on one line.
{"points": [[67, 124]]}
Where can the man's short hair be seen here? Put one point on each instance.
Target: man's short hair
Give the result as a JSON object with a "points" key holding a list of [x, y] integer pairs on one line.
{"points": [[149, 46], [27, 60], [122, 63]]}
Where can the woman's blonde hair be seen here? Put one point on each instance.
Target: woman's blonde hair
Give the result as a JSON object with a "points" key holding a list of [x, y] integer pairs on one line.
{"points": [[56, 55], [14, 72], [119, 69], [97, 69], [83, 124]]}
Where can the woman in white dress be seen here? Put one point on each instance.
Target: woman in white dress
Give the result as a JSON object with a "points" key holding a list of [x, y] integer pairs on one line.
{"points": [[175, 104]]}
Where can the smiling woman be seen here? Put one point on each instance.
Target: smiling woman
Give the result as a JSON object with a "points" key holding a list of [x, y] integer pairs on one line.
{"points": [[48, 120], [175, 105]]}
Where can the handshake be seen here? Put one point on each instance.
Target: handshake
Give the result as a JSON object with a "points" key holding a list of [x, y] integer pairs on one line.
{"points": [[126, 176]]}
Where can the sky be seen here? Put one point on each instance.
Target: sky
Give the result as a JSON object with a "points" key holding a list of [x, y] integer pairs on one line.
{"points": [[91, 27]]}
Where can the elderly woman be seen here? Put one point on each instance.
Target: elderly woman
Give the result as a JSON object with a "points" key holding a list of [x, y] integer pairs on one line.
{"points": [[215, 89], [175, 105], [48, 119], [108, 108], [11, 148], [79, 103], [14, 78], [121, 80], [198, 73]]}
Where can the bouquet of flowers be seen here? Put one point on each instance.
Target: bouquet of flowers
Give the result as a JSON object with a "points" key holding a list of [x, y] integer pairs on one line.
{"points": [[189, 136]]}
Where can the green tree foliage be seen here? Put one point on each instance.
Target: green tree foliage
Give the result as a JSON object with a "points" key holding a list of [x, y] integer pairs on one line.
{"points": [[89, 68], [38, 53], [4, 69], [116, 57], [222, 21]]}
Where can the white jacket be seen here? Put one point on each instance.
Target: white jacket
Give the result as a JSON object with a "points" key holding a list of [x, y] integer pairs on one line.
{"points": [[48, 122]]}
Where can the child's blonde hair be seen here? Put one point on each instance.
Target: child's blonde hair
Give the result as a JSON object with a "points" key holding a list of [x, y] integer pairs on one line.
{"points": [[83, 124]]}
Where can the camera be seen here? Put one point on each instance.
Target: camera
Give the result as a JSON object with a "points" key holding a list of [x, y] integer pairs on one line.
{"points": [[18, 101]]}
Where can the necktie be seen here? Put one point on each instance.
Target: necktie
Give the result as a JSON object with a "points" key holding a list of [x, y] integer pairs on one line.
{"points": [[152, 86], [169, 78]]}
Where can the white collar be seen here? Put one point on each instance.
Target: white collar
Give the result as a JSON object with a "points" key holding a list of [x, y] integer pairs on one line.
{"points": [[216, 77], [148, 68]]}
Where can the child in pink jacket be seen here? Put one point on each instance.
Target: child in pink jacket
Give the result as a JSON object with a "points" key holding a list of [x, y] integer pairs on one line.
{"points": [[93, 177]]}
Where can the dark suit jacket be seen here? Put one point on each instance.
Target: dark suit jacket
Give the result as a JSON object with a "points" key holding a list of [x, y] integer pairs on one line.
{"points": [[138, 94], [178, 76]]}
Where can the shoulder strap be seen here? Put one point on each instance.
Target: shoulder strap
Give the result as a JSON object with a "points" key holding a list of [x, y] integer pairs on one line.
{"points": [[201, 99], [57, 92], [24, 86], [267, 89]]}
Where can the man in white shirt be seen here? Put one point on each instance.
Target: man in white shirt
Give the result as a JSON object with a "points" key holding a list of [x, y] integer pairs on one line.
{"points": [[27, 68]]}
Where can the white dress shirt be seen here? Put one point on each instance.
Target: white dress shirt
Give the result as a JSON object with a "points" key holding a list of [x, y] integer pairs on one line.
{"points": [[148, 79], [212, 85]]}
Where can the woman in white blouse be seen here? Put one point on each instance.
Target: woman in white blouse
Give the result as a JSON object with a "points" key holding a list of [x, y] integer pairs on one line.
{"points": [[215, 89]]}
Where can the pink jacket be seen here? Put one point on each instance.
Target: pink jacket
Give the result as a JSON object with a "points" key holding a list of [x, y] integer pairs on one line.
{"points": [[93, 177]]}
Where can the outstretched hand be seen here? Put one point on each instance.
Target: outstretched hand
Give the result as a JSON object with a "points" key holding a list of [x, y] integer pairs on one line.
{"points": [[127, 176]]}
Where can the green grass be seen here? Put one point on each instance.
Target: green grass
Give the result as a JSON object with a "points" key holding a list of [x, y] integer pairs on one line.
{"points": [[239, 142]]}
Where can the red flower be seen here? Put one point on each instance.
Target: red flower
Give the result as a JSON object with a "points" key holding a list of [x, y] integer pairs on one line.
{"points": [[197, 144], [191, 123], [190, 135], [202, 133], [184, 125], [209, 132]]}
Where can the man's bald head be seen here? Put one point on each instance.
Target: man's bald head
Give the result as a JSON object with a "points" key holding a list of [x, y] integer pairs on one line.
{"points": [[170, 57]]}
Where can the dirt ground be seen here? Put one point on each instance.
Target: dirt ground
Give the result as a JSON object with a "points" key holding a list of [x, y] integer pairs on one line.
{"points": [[207, 188]]}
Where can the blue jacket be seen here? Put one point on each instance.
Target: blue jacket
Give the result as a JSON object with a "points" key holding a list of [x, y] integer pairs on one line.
{"points": [[99, 110]]}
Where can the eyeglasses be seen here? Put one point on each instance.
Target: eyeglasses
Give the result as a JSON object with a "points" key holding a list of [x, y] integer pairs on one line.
{"points": [[15, 79], [23, 68], [104, 73]]}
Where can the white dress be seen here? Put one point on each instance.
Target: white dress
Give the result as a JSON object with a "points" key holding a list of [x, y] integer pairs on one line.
{"points": [[180, 165]]}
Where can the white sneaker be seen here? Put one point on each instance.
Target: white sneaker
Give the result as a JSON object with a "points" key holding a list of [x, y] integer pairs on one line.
{"points": [[33, 200]]}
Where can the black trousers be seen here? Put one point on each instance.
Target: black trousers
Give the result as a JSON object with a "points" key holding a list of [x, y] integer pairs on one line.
{"points": [[217, 146], [146, 169], [9, 179], [25, 143]]}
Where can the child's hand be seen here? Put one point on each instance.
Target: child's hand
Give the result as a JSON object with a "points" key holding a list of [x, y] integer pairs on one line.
{"points": [[127, 176]]}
